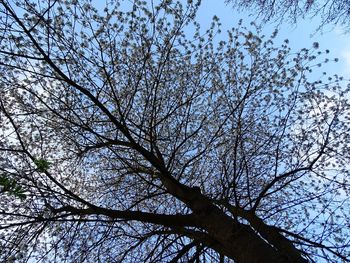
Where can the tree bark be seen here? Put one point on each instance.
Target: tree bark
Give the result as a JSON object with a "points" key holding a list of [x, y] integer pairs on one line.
{"points": [[236, 240], [240, 242]]}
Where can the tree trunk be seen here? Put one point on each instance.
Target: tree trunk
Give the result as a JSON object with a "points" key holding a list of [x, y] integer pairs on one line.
{"points": [[239, 241], [233, 239]]}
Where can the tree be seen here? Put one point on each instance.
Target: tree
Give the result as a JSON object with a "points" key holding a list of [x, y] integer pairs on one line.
{"points": [[136, 137], [330, 11]]}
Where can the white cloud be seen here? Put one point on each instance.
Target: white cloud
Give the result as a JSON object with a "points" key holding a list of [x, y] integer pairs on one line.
{"points": [[345, 58]]}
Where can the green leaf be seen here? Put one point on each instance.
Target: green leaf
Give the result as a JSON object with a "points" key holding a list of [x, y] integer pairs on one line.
{"points": [[42, 165], [11, 187]]}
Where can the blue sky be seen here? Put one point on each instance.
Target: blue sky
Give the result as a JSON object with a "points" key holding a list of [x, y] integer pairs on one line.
{"points": [[301, 35]]}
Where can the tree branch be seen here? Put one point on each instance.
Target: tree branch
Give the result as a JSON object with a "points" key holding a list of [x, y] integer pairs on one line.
{"points": [[177, 220]]}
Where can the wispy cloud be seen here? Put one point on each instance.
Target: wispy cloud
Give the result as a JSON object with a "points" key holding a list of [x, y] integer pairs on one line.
{"points": [[345, 58]]}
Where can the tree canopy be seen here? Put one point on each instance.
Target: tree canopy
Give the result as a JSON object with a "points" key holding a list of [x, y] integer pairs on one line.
{"points": [[136, 136], [336, 12]]}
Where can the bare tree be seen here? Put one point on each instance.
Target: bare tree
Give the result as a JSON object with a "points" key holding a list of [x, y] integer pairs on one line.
{"points": [[134, 136], [336, 12]]}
